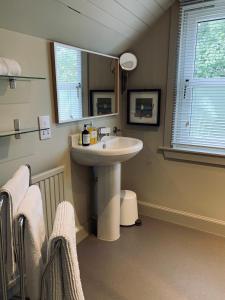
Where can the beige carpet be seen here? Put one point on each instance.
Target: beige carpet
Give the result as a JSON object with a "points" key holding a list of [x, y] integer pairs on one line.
{"points": [[159, 260]]}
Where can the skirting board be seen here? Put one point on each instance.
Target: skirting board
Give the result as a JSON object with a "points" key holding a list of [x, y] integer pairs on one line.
{"points": [[183, 218], [81, 234]]}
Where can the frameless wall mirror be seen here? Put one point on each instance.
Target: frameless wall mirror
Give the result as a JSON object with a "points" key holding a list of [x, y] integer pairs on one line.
{"points": [[86, 84]]}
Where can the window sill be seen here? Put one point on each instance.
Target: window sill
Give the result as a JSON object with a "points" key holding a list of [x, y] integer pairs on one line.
{"points": [[193, 156]]}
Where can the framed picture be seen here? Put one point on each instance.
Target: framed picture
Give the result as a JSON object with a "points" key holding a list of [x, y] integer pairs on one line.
{"points": [[102, 102], [143, 107]]}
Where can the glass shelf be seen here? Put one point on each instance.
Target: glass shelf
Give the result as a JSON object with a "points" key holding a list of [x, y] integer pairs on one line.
{"points": [[12, 79], [21, 131], [7, 77]]}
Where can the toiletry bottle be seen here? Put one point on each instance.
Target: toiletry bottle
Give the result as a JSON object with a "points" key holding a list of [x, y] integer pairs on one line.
{"points": [[90, 128], [85, 136], [80, 139], [93, 133], [94, 136]]}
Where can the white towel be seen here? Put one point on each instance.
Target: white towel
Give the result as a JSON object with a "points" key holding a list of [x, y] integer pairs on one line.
{"points": [[63, 277], [16, 189], [34, 240], [9, 67], [3, 67]]}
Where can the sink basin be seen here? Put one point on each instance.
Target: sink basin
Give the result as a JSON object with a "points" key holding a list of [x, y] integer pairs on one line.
{"points": [[106, 158], [110, 150]]}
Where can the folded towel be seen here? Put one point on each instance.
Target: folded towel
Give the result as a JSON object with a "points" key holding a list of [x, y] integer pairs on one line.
{"points": [[9, 67], [34, 240], [16, 189], [63, 276], [3, 67]]}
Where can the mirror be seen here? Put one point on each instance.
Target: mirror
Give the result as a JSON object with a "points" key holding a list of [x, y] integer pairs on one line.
{"points": [[128, 61], [86, 84]]}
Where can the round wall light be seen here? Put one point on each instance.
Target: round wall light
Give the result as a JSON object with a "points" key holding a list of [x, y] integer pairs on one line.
{"points": [[128, 61]]}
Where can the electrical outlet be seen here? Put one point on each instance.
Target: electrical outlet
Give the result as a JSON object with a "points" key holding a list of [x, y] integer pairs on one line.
{"points": [[45, 127]]}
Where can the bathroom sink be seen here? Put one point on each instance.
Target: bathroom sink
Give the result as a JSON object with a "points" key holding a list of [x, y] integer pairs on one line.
{"points": [[106, 157], [110, 150]]}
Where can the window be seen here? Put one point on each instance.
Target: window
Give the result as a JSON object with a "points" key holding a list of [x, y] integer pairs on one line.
{"points": [[69, 81], [199, 113]]}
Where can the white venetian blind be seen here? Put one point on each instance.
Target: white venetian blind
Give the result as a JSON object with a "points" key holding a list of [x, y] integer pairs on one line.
{"points": [[68, 65], [199, 113]]}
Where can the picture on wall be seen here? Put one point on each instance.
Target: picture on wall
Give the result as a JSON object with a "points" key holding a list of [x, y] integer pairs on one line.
{"points": [[102, 102], [143, 106]]}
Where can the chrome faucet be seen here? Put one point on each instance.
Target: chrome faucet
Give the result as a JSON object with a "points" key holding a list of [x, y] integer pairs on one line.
{"points": [[116, 130], [103, 131]]}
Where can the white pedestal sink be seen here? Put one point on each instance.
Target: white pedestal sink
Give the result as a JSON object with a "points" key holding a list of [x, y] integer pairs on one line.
{"points": [[106, 157]]}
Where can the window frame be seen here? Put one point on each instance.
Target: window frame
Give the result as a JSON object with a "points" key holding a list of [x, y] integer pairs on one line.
{"points": [[187, 155]]}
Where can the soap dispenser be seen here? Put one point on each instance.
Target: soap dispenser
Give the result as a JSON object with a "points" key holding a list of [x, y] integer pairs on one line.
{"points": [[85, 136], [93, 134]]}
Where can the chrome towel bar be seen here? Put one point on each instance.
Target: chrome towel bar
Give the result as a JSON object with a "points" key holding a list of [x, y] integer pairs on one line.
{"points": [[4, 289]]}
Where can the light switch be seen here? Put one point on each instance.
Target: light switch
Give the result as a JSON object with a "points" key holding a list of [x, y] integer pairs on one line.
{"points": [[45, 127]]}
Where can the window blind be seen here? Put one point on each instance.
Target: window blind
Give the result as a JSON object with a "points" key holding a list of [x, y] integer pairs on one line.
{"points": [[68, 65], [199, 111]]}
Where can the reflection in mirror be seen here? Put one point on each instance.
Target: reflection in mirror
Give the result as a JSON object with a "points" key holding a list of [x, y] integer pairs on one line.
{"points": [[86, 83]]}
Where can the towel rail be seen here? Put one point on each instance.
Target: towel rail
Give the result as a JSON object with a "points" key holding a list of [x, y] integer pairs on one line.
{"points": [[48, 265], [21, 252], [21, 263], [3, 197], [4, 291]]}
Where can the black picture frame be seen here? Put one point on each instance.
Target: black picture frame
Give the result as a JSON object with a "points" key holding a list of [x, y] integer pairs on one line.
{"points": [[93, 93], [150, 115]]}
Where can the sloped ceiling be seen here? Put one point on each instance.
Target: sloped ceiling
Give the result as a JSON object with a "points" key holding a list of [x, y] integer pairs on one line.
{"points": [[107, 26]]}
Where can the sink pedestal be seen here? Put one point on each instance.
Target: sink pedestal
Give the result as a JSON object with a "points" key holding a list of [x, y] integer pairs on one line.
{"points": [[106, 157], [107, 199]]}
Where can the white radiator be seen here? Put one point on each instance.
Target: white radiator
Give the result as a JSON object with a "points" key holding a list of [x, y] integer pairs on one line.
{"points": [[51, 184]]}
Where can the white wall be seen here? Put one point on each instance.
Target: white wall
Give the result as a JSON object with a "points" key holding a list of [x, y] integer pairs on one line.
{"points": [[193, 188], [26, 102]]}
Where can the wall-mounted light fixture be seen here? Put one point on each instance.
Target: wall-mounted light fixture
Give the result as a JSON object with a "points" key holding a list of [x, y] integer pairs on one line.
{"points": [[128, 62]]}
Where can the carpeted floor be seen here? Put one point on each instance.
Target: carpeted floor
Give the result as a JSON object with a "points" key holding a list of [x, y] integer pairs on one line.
{"points": [[158, 260]]}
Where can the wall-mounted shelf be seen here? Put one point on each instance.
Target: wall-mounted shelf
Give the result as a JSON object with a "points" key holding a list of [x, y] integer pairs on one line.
{"points": [[12, 79], [21, 131]]}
